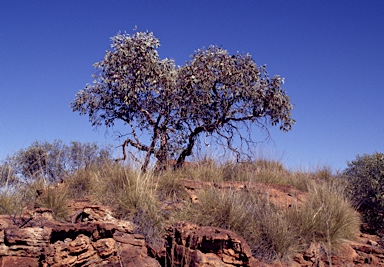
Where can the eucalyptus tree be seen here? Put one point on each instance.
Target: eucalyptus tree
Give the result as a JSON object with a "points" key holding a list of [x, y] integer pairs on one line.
{"points": [[51, 162], [214, 93]]}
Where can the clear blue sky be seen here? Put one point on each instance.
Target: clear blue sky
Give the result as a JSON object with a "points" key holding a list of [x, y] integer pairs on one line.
{"points": [[331, 54]]}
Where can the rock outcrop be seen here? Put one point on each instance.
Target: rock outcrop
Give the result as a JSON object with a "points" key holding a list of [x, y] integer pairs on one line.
{"points": [[191, 245], [94, 238]]}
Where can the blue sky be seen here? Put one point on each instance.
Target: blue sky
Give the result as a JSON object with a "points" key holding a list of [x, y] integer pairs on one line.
{"points": [[331, 54]]}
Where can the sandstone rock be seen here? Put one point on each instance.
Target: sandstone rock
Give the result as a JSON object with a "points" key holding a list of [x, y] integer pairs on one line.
{"points": [[10, 261], [132, 256], [29, 242], [105, 247], [95, 239], [33, 236], [4, 250], [78, 252], [79, 245], [191, 245], [102, 215], [132, 239]]}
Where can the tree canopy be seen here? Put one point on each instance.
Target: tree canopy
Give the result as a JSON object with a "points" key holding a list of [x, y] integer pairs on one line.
{"points": [[51, 162], [214, 93]]}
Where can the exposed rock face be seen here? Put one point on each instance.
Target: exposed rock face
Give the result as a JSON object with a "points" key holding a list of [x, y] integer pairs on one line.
{"points": [[95, 238], [283, 196], [191, 245], [349, 254]]}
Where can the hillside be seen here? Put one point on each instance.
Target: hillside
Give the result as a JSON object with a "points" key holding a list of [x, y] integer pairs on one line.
{"points": [[191, 217]]}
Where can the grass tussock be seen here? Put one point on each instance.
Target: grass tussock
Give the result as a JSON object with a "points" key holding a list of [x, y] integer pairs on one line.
{"points": [[170, 187], [263, 171], [55, 199], [206, 169], [82, 183], [11, 203], [327, 216], [257, 171]]}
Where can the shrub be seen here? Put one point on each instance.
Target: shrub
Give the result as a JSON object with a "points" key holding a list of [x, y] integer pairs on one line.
{"points": [[366, 178]]}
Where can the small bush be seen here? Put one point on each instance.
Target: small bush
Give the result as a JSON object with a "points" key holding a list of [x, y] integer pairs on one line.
{"points": [[366, 178], [52, 162]]}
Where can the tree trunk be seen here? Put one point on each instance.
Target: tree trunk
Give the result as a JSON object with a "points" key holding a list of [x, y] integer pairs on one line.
{"points": [[162, 155], [187, 151]]}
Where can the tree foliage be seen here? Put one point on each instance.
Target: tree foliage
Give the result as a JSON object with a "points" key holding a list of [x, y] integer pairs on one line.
{"points": [[214, 93], [366, 177], [51, 161]]}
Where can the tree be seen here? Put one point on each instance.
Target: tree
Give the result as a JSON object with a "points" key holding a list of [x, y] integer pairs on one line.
{"points": [[33, 162], [51, 162], [366, 178], [214, 93], [7, 173]]}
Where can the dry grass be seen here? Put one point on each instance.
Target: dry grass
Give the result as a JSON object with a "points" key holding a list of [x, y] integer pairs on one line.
{"points": [[11, 203], [55, 199], [81, 184], [206, 169], [327, 216], [170, 188], [257, 171]]}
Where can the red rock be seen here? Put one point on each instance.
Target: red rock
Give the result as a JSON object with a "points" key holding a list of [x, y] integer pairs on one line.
{"points": [[135, 240], [105, 247], [13, 261], [132, 256], [186, 241]]}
